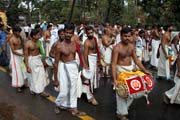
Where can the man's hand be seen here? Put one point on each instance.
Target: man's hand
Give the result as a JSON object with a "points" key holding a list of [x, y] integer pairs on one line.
{"points": [[115, 85], [178, 74], [166, 56], [56, 83], [29, 70], [147, 72]]}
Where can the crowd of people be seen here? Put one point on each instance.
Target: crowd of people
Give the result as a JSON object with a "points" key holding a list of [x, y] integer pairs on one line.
{"points": [[74, 58]]}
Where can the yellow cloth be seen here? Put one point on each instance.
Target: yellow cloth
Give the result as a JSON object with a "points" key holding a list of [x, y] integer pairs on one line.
{"points": [[123, 76]]}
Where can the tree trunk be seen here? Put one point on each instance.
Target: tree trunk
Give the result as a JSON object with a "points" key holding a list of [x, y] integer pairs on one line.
{"points": [[108, 11], [71, 12]]}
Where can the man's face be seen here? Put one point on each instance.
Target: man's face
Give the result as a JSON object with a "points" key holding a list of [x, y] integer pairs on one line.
{"points": [[37, 36], [61, 36], [90, 34], [126, 38], [68, 34], [170, 28]]}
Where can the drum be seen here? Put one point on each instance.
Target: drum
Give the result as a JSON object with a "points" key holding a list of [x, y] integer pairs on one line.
{"points": [[86, 74], [49, 61], [134, 86]]}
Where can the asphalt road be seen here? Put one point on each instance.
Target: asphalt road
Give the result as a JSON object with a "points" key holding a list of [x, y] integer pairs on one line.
{"points": [[23, 106]]}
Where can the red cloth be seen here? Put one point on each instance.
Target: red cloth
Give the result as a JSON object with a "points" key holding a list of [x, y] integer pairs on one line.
{"points": [[78, 49]]}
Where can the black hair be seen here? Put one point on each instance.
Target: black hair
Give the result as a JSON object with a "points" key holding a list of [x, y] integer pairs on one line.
{"points": [[34, 32], [60, 30], [167, 26], [37, 26], [69, 26], [89, 28], [126, 30], [17, 29], [49, 25]]}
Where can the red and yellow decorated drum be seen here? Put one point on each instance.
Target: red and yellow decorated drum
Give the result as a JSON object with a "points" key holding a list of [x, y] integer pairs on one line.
{"points": [[134, 84]]}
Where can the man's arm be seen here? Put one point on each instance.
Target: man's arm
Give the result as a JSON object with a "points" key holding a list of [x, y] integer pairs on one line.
{"points": [[163, 45], [57, 58], [13, 48], [114, 63], [138, 63], [26, 54], [52, 51], [178, 65], [86, 52]]}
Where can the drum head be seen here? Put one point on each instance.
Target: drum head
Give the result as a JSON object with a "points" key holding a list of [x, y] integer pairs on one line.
{"points": [[86, 74], [49, 61], [122, 90]]}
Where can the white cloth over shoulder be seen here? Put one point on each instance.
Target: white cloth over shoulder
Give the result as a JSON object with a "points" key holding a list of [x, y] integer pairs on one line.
{"points": [[18, 69], [39, 77]]}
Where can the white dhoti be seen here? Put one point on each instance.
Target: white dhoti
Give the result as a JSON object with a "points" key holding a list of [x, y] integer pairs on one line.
{"points": [[18, 69], [107, 59], [155, 46], [174, 93], [39, 78], [123, 103], [92, 60], [89, 85], [68, 77], [163, 65]]}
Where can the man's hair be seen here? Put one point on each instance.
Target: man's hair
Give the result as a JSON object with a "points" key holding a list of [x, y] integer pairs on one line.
{"points": [[37, 26], [17, 29], [69, 26], [167, 26], [89, 28], [126, 30], [34, 32], [49, 25], [60, 30]]}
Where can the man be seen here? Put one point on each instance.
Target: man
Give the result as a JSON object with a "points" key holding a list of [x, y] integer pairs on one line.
{"points": [[52, 52], [163, 63], [34, 65], [106, 50], [172, 96], [139, 45], [2, 34], [122, 56], [61, 38], [47, 36], [66, 73], [155, 45], [16, 45], [91, 56]]}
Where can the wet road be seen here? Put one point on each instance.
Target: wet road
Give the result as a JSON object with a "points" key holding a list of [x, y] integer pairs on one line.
{"points": [[23, 106]]}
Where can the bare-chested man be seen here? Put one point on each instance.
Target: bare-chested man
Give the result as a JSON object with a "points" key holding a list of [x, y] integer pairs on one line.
{"points": [[163, 63], [91, 56], [34, 65], [106, 50], [122, 57], [47, 35], [66, 73], [155, 45], [18, 71], [61, 38]]}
